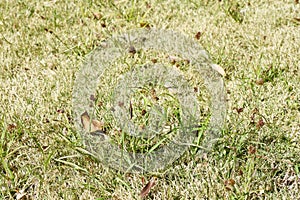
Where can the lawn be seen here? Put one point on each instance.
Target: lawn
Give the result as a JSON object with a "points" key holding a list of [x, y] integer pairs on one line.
{"points": [[45, 44]]}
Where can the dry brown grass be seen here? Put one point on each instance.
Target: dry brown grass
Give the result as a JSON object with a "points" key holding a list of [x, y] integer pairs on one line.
{"points": [[44, 43]]}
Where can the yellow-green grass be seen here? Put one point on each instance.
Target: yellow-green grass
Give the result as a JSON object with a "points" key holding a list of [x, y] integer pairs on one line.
{"points": [[43, 45]]}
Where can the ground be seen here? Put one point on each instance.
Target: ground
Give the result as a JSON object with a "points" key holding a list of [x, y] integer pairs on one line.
{"points": [[44, 44]]}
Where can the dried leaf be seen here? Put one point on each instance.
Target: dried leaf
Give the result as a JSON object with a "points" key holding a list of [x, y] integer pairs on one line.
{"points": [[143, 112], [96, 125], [260, 81], [48, 30], [11, 127], [148, 5], [145, 191], [296, 20], [251, 149], [131, 50], [241, 173], [121, 104], [92, 97], [145, 25], [90, 126], [85, 121], [174, 59], [177, 61], [154, 60], [130, 110], [198, 35], [60, 111], [97, 16], [103, 24], [100, 104], [219, 69], [229, 184], [154, 95], [239, 110], [196, 89], [255, 111], [260, 123]]}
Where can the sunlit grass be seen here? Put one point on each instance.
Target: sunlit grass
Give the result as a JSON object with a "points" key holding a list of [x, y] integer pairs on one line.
{"points": [[43, 44]]}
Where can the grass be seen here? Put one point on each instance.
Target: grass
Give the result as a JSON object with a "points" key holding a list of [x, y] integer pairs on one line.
{"points": [[43, 45]]}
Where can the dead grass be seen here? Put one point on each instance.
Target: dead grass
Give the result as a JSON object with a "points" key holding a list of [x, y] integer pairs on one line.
{"points": [[44, 43]]}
